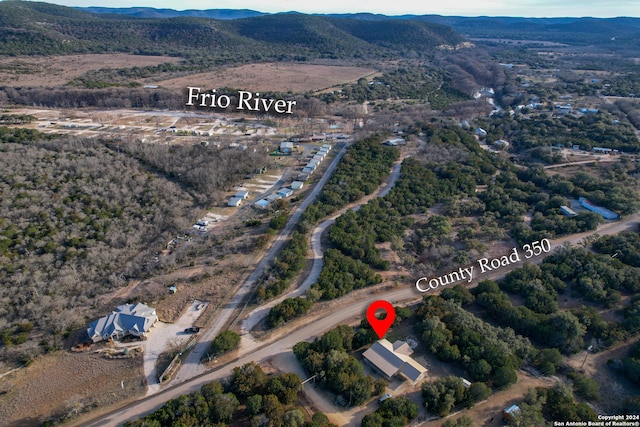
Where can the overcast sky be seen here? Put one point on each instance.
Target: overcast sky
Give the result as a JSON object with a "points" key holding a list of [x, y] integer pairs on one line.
{"points": [[529, 8]]}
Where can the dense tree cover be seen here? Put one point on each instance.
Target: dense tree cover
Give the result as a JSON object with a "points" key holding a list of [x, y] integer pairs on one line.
{"points": [[342, 274], [625, 85], [632, 109], [271, 37], [21, 135], [624, 246], [398, 411], [287, 310], [355, 234], [247, 380], [421, 186], [463, 421], [290, 261], [459, 294], [548, 219], [542, 406], [208, 405], [206, 171], [361, 170], [270, 400], [110, 97], [16, 119], [224, 342], [76, 220], [561, 329], [536, 130], [584, 386], [336, 370], [597, 278], [407, 82], [444, 394], [489, 354], [632, 364], [531, 188]]}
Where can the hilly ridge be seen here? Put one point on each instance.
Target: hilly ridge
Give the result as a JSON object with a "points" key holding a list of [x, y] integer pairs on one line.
{"points": [[570, 30], [33, 28]]}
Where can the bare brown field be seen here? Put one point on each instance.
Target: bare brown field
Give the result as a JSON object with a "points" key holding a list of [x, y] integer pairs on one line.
{"points": [[58, 70], [272, 77], [66, 384]]}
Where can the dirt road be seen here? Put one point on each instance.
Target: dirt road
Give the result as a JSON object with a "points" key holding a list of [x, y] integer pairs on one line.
{"points": [[349, 308], [317, 252], [192, 366]]}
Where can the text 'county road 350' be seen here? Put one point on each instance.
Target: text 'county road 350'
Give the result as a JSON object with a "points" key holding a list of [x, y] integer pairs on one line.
{"points": [[424, 284]]}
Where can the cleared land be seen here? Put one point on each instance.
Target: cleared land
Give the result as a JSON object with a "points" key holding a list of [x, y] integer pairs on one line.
{"points": [[48, 387], [58, 70], [272, 77]]}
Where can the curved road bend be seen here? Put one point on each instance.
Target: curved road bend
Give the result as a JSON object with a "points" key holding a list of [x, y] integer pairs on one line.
{"points": [[261, 312], [347, 309], [191, 366]]}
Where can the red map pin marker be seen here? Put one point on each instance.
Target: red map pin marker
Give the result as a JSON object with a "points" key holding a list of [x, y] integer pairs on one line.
{"points": [[381, 326]]}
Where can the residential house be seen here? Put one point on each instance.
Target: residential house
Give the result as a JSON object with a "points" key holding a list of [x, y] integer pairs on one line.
{"points": [[394, 360]]}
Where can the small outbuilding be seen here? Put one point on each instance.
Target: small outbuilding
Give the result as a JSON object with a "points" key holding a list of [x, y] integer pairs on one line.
{"points": [[242, 194], [234, 202], [262, 203], [511, 412], [285, 192], [297, 185], [273, 197], [286, 147]]}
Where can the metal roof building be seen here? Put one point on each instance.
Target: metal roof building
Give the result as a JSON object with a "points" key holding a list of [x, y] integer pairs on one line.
{"points": [[128, 319], [394, 359]]}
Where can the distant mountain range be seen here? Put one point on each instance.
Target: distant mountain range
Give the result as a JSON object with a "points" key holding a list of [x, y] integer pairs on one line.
{"points": [[545, 28], [225, 36], [29, 28], [150, 12]]}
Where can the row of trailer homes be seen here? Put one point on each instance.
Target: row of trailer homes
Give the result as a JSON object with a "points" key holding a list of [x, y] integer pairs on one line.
{"points": [[315, 161]]}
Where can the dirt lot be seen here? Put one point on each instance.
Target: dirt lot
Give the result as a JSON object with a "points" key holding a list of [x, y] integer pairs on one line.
{"points": [[67, 382], [272, 77], [614, 388], [58, 70]]}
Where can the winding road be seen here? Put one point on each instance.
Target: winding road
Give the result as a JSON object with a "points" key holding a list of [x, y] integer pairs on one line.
{"points": [[261, 312], [350, 308], [191, 366]]}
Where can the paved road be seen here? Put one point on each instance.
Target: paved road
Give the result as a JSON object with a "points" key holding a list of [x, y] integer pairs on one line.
{"points": [[349, 308], [191, 366], [317, 256]]}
